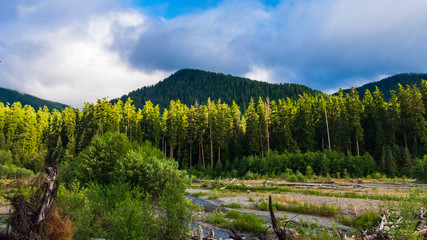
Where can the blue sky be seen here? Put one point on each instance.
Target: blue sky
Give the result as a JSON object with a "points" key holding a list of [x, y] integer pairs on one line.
{"points": [[74, 51]]}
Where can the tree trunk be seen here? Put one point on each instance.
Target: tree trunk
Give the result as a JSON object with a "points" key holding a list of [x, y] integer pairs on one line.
{"points": [[323, 144], [327, 128], [219, 153], [191, 157], [357, 147], [267, 118], [171, 151], [406, 140], [210, 136], [262, 145], [203, 156]]}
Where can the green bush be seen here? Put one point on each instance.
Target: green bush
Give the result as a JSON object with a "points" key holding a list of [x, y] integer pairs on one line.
{"points": [[112, 157], [216, 218], [5, 157], [420, 169], [120, 211], [250, 223], [233, 214], [98, 161], [366, 221], [176, 216], [11, 171]]}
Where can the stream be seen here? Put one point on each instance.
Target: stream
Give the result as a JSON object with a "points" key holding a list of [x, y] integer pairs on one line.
{"points": [[299, 219]]}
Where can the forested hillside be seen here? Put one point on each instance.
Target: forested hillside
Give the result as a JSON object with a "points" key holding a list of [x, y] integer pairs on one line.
{"points": [[388, 136], [10, 96], [190, 85], [392, 83]]}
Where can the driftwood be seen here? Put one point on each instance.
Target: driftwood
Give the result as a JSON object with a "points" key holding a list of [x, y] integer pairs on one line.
{"points": [[210, 236], [383, 230], [282, 233], [226, 186], [235, 233], [28, 216]]}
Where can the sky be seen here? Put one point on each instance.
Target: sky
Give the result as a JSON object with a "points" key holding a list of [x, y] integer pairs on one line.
{"points": [[76, 51]]}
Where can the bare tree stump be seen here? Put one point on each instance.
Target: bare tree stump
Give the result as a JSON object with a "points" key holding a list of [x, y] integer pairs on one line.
{"points": [[28, 216], [281, 233]]}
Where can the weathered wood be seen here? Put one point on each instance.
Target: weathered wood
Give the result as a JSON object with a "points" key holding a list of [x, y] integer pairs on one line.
{"points": [[28, 217], [235, 233], [281, 233], [226, 186], [210, 236]]}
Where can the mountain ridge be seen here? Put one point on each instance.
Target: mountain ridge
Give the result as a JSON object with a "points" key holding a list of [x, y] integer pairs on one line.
{"points": [[191, 85], [390, 83], [11, 96]]}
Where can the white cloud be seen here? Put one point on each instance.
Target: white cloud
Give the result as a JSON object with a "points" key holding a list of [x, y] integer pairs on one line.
{"points": [[260, 74], [75, 50], [76, 63]]}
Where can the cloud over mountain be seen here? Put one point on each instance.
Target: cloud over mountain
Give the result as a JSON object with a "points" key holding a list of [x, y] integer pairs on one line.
{"points": [[72, 52]]}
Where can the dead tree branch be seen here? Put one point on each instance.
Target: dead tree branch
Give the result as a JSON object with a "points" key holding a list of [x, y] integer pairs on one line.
{"points": [[28, 216]]}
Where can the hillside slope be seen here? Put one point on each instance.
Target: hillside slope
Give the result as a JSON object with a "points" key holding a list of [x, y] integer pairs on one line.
{"points": [[11, 96], [189, 86], [391, 83]]}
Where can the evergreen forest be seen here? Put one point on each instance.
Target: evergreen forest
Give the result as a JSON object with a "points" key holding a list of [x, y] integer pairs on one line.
{"points": [[191, 86], [391, 83], [329, 134]]}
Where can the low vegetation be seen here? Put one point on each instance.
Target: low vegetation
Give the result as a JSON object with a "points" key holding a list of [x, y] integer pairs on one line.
{"points": [[245, 222]]}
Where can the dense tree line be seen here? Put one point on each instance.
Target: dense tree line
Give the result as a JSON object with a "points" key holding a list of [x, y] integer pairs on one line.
{"points": [[217, 135], [191, 86]]}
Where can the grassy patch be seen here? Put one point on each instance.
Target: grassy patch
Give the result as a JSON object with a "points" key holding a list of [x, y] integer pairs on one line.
{"points": [[199, 194], [213, 195], [310, 209], [235, 205], [240, 221], [365, 221], [314, 192], [233, 214], [217, 218]]}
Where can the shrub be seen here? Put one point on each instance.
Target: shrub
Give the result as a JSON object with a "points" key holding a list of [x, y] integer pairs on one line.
{"points": [[420, 169], [57, 227], [367, 220], [233, 214], [176, 215], [250, 223], [11, 171], [216, 218], [97, 162], [111, 158], [262, 205]]}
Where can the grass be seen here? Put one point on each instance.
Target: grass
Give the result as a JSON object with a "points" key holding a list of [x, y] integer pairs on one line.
{"points": [[213, 195], [310, 209], [234, 205], [240, 221], [217, 218], [198, 194], [314, 192], [365, 221]]}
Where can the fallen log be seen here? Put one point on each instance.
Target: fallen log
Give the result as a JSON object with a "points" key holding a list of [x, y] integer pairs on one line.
{"points": [[235, 233], [226, 186]]}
